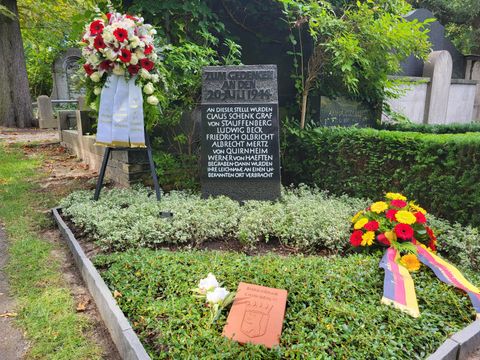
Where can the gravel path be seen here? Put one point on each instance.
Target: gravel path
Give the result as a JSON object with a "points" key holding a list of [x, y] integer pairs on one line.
{"points": [[12, 344], [13, 135]]}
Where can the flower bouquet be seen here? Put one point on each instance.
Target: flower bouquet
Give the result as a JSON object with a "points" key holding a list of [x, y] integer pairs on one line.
{"points": [[401, 226], [216, 297], [120, 66]]}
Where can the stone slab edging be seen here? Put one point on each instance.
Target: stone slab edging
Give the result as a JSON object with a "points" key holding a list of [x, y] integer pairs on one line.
{"points": [[125, 339], [460, 345]]}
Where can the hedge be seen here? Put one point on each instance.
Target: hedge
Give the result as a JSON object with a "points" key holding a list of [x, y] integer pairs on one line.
{"points": [[441, 172], [432, 129]]}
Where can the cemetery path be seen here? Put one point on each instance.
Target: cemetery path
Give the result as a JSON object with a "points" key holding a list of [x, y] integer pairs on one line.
{"points": [[12, 344], [13, 135]]}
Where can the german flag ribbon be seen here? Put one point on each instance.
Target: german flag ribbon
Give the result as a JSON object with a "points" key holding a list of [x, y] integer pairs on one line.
{"points": [[398, 288]]}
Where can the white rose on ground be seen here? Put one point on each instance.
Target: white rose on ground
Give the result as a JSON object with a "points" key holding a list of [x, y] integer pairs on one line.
{"points": [[148, 89], [118, 70], [152, 100], [134, 60], [210, 282], [144, 74], [97, 91], [95, 77], [217, 295]]}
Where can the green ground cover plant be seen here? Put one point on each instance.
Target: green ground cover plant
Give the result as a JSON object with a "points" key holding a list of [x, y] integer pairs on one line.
{"points": [[46, 307], [440, 171], [333, 307], [304, 219]]}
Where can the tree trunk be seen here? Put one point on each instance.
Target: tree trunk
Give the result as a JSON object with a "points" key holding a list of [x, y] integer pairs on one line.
{"points": [[15, 101], [303, 113]]}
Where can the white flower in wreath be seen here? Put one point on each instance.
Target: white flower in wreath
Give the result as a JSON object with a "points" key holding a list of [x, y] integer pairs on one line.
{"points": [[144, 74], [97, 90], [217, 295], [152, 100], [118, 70], [134, 41], [155, 78], [111, 55], [148, 89], [153, 56], [208, 283], [95, 77], [134, 60], [139, 54]]}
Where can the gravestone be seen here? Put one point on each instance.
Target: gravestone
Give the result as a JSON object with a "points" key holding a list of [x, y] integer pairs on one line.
{"points": [[413, 66], [46, 118], [240, 155], [344, 112], [64, 72], [256, 315]]}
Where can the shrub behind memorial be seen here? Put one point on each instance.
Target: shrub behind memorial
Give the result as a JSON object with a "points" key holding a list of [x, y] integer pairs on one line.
{"points": [[442, 172]]}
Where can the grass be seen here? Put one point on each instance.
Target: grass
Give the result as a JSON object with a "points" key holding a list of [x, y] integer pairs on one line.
{"points": [[333, 307], [46, 308]]}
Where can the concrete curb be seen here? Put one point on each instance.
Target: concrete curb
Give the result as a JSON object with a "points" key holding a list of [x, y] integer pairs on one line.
{"points": [[125, 339], [460, 345]]}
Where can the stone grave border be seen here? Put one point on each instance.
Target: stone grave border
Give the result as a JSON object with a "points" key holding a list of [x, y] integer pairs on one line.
{"points": [[457, 347], [125, 339]]}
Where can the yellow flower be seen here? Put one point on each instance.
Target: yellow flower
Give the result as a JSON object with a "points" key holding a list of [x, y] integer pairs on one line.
{"points": [[391, 236], [395, 196], [367, 238], [360, 223], [356, 216], [405, 217], [411, 262], [379, 206], [417, 208]]}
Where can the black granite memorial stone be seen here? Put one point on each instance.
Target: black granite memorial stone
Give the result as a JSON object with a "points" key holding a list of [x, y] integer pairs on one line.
{"points": [[240, 132], [344, 112]]}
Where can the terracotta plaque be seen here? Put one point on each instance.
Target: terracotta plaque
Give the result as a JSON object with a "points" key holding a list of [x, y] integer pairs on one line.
{"points": [[257, 315]]}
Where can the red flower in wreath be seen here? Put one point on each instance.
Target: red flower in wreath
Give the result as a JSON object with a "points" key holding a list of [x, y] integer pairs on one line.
{"points": [[371, 226], [109, 16], [133, 69], [382, 239], [125, 55], [106, 65], [147, 64], [398, 203], [390, 215], [356, 238], [131, 17], [96, 27], [148, 50], [99, 43], [88, 69], [421, 219], [404, 231], [121, 34]]}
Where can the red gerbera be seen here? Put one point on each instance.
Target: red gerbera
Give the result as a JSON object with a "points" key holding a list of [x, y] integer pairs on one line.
{"points": [[121, 34], [404, 231], [382, 239], [98, 43], [430, 233], [88, 69], [96, 27], [109, 16], [398, 203], [125, 55], [148, 49], [133, 69], [356, 238], [421, 219], [147, 64], [391, 214], [371, 225], [106, 65]]}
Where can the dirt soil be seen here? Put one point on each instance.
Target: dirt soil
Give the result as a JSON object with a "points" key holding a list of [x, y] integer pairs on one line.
{"points": [[13, 135]]}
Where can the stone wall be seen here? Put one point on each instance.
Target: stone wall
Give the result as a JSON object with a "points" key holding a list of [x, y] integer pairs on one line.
{"points": [[125, 167], [436, 98]]}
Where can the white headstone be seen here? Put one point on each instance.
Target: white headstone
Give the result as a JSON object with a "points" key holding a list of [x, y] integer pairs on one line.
{"points": [[438, 68]]}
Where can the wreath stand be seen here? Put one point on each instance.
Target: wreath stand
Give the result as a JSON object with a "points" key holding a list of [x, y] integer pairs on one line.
{"points": [[106, 157]]}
